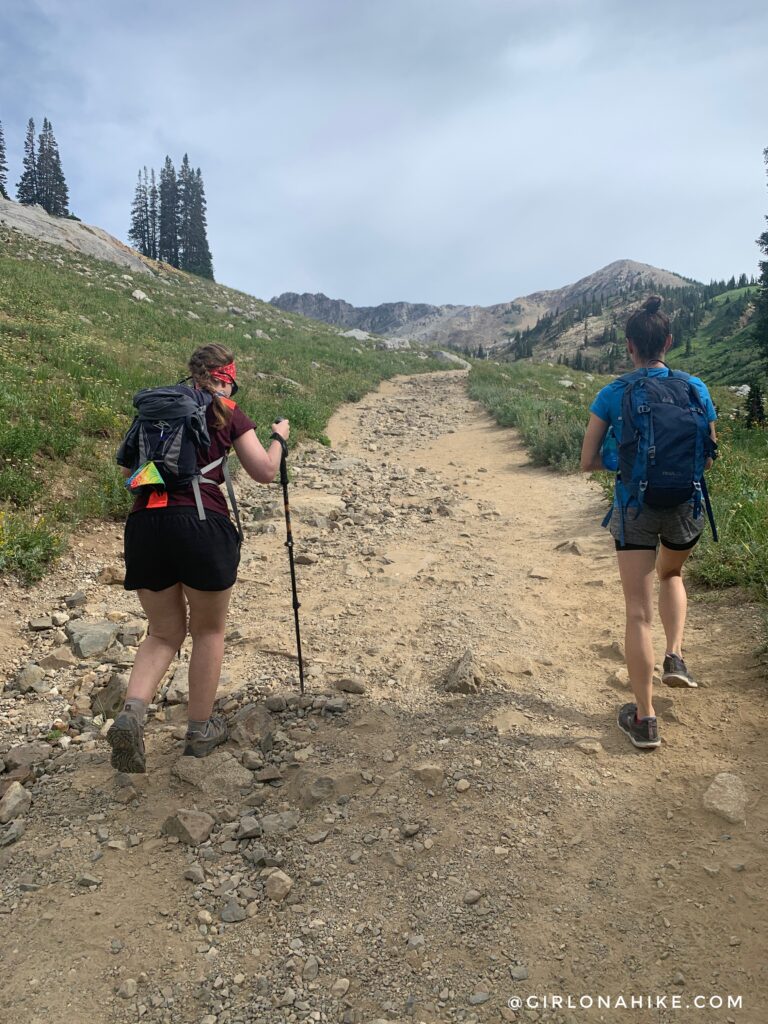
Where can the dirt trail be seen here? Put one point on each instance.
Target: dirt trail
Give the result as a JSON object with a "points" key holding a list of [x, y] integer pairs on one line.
{"points": [[448, 852]]}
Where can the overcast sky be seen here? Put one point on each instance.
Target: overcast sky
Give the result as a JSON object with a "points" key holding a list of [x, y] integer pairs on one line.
{"points": [[463, 151]]}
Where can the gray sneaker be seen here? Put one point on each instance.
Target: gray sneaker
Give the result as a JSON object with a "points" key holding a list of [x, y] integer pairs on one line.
{"points": [[200, 744], [676, 674], [126, 737]]}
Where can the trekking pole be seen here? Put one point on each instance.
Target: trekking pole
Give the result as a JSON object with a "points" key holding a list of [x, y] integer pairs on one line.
{"points": [[289, 545]]}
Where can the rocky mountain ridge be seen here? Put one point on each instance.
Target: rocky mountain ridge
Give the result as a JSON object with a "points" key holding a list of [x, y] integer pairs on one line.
{"points": [[469, 326]]}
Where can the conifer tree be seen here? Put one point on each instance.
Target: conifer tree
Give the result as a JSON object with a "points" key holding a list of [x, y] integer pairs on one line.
{"points": [[52, 191], [26, 190], [186, 183], [168, 234], [199, 259], [760, 323], [3, 166], [152, 214], [754, 406], [138, 232]]}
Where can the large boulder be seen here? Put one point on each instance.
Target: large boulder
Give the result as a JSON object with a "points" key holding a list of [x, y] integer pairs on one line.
{"points": [[220, 775]]}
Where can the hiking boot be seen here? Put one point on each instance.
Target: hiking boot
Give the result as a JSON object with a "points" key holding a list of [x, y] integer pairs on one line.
{"points": [[201, 743], [643, 733], [675, 673], [126, 737]]}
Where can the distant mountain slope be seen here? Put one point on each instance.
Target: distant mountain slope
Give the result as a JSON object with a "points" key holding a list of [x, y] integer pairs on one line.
{"points": [[473, 326]]}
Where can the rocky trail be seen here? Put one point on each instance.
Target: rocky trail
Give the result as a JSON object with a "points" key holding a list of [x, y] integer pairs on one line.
{"points": [[447, 820]]}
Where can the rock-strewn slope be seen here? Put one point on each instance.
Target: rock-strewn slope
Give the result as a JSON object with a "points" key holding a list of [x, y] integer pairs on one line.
{"points": [[69, 234], [448, 819]]}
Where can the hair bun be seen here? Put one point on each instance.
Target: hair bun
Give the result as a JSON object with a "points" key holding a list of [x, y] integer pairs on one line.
{"points": [[652, 304]]}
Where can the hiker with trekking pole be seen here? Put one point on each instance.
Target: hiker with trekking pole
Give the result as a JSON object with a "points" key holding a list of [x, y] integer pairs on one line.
{"points": [[655, 428], [182, 549]]}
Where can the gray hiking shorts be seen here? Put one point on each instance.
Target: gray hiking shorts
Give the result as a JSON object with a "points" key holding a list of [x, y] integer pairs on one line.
{"points": [[674, 527]]}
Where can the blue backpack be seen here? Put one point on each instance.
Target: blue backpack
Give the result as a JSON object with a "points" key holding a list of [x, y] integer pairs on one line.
{"points": [[664, 445]]}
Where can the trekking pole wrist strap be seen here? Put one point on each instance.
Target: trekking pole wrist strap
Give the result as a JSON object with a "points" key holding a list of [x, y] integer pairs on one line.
{"points": [[283, 443]]}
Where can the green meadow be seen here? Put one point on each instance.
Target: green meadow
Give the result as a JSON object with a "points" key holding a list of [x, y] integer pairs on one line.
{"points": [[75, 346]]}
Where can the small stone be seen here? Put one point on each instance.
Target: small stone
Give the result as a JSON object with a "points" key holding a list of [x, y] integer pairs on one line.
{"points": [[195, 874], [12, 832], [349, 686], [591, 747], [31, 679], [431, 775], [76, 600], [232, 912], [518, 973], [191, 827], [335, 706], [478, 998], [41, 625], [278, 886], [539, 574], [276, 704], [317, 837], [340, 987], [128, 989], [88, 881], [462, 786], [311, 968], [15, 803], [727, 797], [472, 896]]}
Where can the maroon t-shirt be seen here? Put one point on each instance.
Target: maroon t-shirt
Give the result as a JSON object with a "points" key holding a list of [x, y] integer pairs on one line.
{"points": [[213, 498]]}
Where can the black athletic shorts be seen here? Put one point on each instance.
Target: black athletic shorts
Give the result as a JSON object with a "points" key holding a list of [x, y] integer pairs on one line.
{"points": [[165, 546]]}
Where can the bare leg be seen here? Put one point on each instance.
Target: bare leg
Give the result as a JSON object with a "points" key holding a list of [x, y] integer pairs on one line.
{"points": [[673, 600], [636, 571], [207, 621], [167, 615]]}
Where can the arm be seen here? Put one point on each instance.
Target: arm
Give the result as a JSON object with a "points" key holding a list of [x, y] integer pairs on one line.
{"points": [[713, 434], [260, 464], [593, 439]]}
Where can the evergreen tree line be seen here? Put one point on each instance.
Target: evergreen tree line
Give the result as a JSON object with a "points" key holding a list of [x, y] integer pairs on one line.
{"points": [[42, 180], [760, 321], [168, 218]]}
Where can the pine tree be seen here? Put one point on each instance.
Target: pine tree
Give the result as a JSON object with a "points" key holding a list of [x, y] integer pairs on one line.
{"points": [[168, 234], [152, 213], [186, 186], [138, 232], [199, 260], [26, 190], [3, 166], [194, 252], [52, 191], [760, 322]]}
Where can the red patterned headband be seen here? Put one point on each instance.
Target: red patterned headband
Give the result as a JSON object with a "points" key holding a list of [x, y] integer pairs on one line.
{"points": [[226, 374]]}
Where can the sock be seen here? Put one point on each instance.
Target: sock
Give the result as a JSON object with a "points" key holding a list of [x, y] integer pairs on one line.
{"points": [[645, 718], [138, 707], [201, 727]]}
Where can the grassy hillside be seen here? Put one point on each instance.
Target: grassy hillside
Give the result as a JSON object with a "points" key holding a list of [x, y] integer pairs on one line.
{"points": [[721, 350], [74, 347], [551, 418]]}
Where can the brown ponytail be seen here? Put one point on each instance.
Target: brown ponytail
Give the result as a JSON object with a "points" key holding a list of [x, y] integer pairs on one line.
{"points": [[201, 362]]}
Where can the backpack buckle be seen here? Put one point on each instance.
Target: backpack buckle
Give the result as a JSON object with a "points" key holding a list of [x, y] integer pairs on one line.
{"points": [[652, 453], [644, 408], [643, 486]]}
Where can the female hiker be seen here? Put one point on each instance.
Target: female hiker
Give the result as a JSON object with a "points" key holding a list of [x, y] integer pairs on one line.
{"points": [[653, 529], [182, 561]]}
